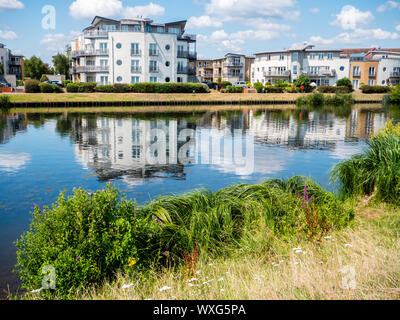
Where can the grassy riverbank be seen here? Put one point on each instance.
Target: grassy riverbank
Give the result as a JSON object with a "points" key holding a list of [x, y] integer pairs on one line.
{"points": [[213, 96]]}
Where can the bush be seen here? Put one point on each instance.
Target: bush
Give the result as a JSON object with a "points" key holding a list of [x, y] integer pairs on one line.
{"points": [[291, 89], [303, 83], [20, 83], [273, 89], [317, 99], [46, 88], [249, 85], [329, 89], [226, 83], [395, 95], [259, 87], [345, 82], [32, 86], [375, 89], [66, 82], [81, 87], [283, 85], [375, 171], [232, 89], [106, 88], [121, 88], [44, 78], [73, 87]]}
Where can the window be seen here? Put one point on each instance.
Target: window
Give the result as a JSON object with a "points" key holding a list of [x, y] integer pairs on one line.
{"points": [[384, 69], [135, 49], [136, 152], [179, 79], [311, 56], [134, 80], [371, 71], [104, 80], [119, 62], [119, 79], [281, 56], [167, 64], [136, 28], [148, 28], [153, 79], [355, 84], [167, 79], [160, 29], [341, 68], [103, 63], [356, 71], [330, 56], [135, 66], [371, 82], [119, 45], [167, 47], [326, 82], [174, 30], [321, 56], [294, 69], [295, 56], [124, 27], [153, 49], [153, 66], [103, 46]]}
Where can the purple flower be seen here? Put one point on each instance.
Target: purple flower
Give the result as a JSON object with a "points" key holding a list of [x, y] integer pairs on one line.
{"points": [[78, 257], [151, 235]]}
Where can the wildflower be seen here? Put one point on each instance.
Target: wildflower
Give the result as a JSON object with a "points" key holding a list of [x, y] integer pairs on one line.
{"points": [[304, 252], [36, 291], [78, 257], [127, 286], [348, 245], [198, 272], [132, 262], [296, 263], [221, 279], [222, 290], [210, 264], [193, 279], [166, 288], [295, 249], [328, 237], [299, 251], [151, 235], [191, 284]]}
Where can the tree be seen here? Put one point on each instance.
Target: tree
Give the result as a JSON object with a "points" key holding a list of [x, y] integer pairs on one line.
{"points": [[35, 68], [303, 81], [61, 65]]}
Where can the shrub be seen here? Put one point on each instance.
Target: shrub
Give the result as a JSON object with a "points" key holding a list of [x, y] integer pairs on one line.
{"points": [[283, 85], [345, 82], [329, 89], [339, 99], [375, 89], [72, 87], [20, 83], [303, 81], [395, 95], [375, 171], [273, 89], [66, 82], [291, 89], [226, 83], [32, 86], [259, 87], [57, 89], [121, 88], [232, 89], [44, 78], [249, 85], [317, 99], [88, 87], [87, 238], [106, 88], [46, 87]]}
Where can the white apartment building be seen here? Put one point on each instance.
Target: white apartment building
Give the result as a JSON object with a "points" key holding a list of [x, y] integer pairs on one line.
{"points": [[388, 72], [133, 50], [323, 66], [13, 66], [231, 68]]}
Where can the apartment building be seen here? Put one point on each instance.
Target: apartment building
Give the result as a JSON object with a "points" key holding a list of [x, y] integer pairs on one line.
{"points": [[133, 50], [323, 66], [204, 70], [376, 67], [13, 65]]}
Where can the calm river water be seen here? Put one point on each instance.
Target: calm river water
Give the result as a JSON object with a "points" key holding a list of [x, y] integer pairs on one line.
{"points": [[148, 155]]}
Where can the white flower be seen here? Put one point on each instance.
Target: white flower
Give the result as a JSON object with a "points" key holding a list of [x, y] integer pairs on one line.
{"points": [[348, 245], [296, 263], [210, 264], [221, 279], [37, 290], [222, 290], [328, 237], [191, 284], [299, 251], [193, 279], [198, 272], [127, 286], [296, 249], [165, 288], [304, 252], [148, 299], [227, 272]]}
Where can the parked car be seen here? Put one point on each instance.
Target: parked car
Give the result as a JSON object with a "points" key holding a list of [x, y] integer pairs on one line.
{"points": [[210, 85], [240, 84], [57, 83]]}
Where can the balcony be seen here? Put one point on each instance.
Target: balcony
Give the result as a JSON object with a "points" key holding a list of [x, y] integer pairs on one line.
{"points": [[233, 64], [395, 74], [90, 52], [87, 69], [321, 74], [187, 37], [154, 69], [136, 69], [357, 74], [279, 74], [372, 75], [96, 34], [187, 55], [239, 76], [154, 53], [136, 53], [186, 70]]}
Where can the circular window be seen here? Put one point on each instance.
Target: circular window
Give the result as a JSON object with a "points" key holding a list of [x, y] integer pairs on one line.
{"points": [[383, 81], [384, 69], [119, 46], [119, 62], [167, 79], [119, 79], [167, 47], [167, 63], [342, 68]]}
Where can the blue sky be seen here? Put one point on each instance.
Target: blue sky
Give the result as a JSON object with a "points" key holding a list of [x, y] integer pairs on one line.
{"points": [[222, 26]]}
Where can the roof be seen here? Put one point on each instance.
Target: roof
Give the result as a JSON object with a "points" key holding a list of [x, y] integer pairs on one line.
{"points": [[348, 52], [102, 18]]}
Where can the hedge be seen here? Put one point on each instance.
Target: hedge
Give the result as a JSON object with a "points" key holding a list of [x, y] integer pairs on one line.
{"points": [[150, 87], [81, 87], [232, 89], [273, 89], [337, 89], [32, 86], [375, 89]]}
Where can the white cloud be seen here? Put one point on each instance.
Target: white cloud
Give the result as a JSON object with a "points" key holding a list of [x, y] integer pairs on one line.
{"points": [[57, 42], [356, 36], [231, 10], [314, 10], [389, 5], [85, 9], [398, 27], [203, 22], [8, 35], [11, 4], [351, 18], [13, 162]]}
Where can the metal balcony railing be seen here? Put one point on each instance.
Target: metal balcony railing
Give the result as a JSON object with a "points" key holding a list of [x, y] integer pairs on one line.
{"points": [[277, 73], [372, 74], [186, 70], [324, 73], [187, 37], [89, 52], [79, 69], [154, 53], [395, 74], [357, 74], [136, 53], [187, 55], [136, 69], [96, 34], [154, 69], [233, 64]]}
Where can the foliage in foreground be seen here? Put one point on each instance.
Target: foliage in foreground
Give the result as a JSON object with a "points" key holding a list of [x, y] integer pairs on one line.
{"points": [[395, 94], [5, 102], [318, 100], [89, 238], [375, 172]]}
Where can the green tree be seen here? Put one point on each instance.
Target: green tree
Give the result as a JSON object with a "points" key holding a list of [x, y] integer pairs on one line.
{"points": [[61, 64], [35, 68], [303, 81]]}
